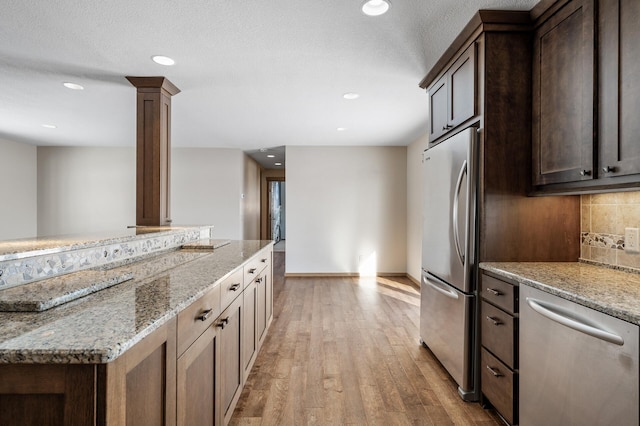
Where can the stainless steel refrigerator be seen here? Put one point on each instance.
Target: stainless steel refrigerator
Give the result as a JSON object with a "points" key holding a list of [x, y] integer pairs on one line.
{"points": [[448, 289]]}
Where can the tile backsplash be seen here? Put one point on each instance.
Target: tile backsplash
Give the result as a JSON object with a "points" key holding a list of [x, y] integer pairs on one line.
{"points": [[603, 220]]}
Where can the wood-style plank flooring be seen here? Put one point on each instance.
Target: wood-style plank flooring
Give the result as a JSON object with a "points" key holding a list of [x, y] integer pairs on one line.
{"points": [[344, 351]]}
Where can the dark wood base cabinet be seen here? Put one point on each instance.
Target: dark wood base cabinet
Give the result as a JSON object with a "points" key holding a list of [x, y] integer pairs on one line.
{"points": [[499, 345]]}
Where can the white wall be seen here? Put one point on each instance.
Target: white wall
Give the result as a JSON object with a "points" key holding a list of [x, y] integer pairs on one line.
{"points": [[18, 186], [345, 204], [83, 190], [88, 189], [414, 206]]}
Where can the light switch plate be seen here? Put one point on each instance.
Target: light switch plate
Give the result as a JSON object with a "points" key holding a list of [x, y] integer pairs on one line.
{"points": [[631, 238]]}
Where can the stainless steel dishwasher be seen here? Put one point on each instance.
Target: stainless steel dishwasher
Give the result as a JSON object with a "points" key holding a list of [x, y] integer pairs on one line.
{"points": [[577, 366]]}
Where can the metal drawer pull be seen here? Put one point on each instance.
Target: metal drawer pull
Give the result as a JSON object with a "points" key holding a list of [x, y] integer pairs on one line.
{"points": [[259, 280], [495, 372], [252, 270], [234, 287], [582, 325], [264, 260], [494, 292], [205, 314], [494, 321], [585, 172], [223, 322]]}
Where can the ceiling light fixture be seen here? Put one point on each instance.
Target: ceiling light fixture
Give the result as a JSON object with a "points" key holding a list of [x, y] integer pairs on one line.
{"points": [[271, 156], [163, 60], [351, 96], [375, 7], [73, 86], [49, 126], [278, 164], [341, 129]]}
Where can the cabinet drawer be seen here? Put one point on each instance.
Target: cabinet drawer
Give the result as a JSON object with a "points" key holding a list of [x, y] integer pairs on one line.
{"points": [[255, 266], [195, 319], [231, 288], [500, 293], [499, 385], [499, 332]]}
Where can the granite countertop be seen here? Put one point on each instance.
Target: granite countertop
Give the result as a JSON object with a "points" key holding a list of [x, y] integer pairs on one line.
{"points": [[102, 326], [27, 247], [613, 292]]}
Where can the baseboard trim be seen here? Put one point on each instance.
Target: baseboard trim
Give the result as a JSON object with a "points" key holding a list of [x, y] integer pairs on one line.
{"points": [[343, 275]]}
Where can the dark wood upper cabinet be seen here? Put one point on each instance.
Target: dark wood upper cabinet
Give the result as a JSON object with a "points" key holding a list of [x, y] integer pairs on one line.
{"points": [[619, 90], [563, 96], [452, 99]]}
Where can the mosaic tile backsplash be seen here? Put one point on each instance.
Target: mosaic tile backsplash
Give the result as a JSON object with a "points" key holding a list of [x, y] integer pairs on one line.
{"points": [[20, 271], [603, 220]]}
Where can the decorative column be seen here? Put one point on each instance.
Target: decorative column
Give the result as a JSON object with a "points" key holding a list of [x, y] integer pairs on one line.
{"points": [[153, 152]]}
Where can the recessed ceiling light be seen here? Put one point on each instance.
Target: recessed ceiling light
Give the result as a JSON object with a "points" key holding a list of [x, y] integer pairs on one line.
{"points": [[341, 129], [49, 126], [375, 7], [351, 96], [278, 164], [271, 156], [163, 60], [73, 86]]}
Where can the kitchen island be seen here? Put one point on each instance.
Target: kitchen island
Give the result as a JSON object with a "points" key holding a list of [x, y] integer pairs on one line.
{"points": [[123, 354]]}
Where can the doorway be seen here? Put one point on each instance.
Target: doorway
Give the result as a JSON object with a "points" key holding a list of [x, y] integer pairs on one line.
{"points": [[277, 213]]}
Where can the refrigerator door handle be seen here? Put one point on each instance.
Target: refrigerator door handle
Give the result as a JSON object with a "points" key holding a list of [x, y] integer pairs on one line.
{"points": [[454, 214], [437, 285]]}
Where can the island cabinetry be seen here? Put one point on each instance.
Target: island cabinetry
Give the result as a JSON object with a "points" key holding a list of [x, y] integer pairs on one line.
{"points": [[452, 98], [198, 381], [47, 395], [230, 326], [189, 371], [264, 312], [499, 354], [250, 331], [139, 387]]}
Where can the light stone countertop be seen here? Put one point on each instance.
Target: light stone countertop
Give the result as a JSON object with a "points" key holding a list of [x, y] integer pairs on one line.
{"points": [[611, 291], [102, 326], [27, 247]]}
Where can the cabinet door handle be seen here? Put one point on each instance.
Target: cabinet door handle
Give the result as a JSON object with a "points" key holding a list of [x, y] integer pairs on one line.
{"points": [[259, 280], [252, 270], [234, 287], [494, 291], [264, 260], [205, 314], [494, 320], [608, 169], [495, 372], [223, 322], [585, 172]]}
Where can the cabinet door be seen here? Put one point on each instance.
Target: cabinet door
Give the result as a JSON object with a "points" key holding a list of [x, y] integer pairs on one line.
{"points": [[139, 387], [198, 381], [563, 80], [619, 88], [249, 332], [231, 371], [37, 394], [462, 88], [262, 307], [438, 125]]}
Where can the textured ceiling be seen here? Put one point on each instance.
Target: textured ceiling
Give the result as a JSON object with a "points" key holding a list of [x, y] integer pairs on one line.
{"points": [[253, 74]]}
